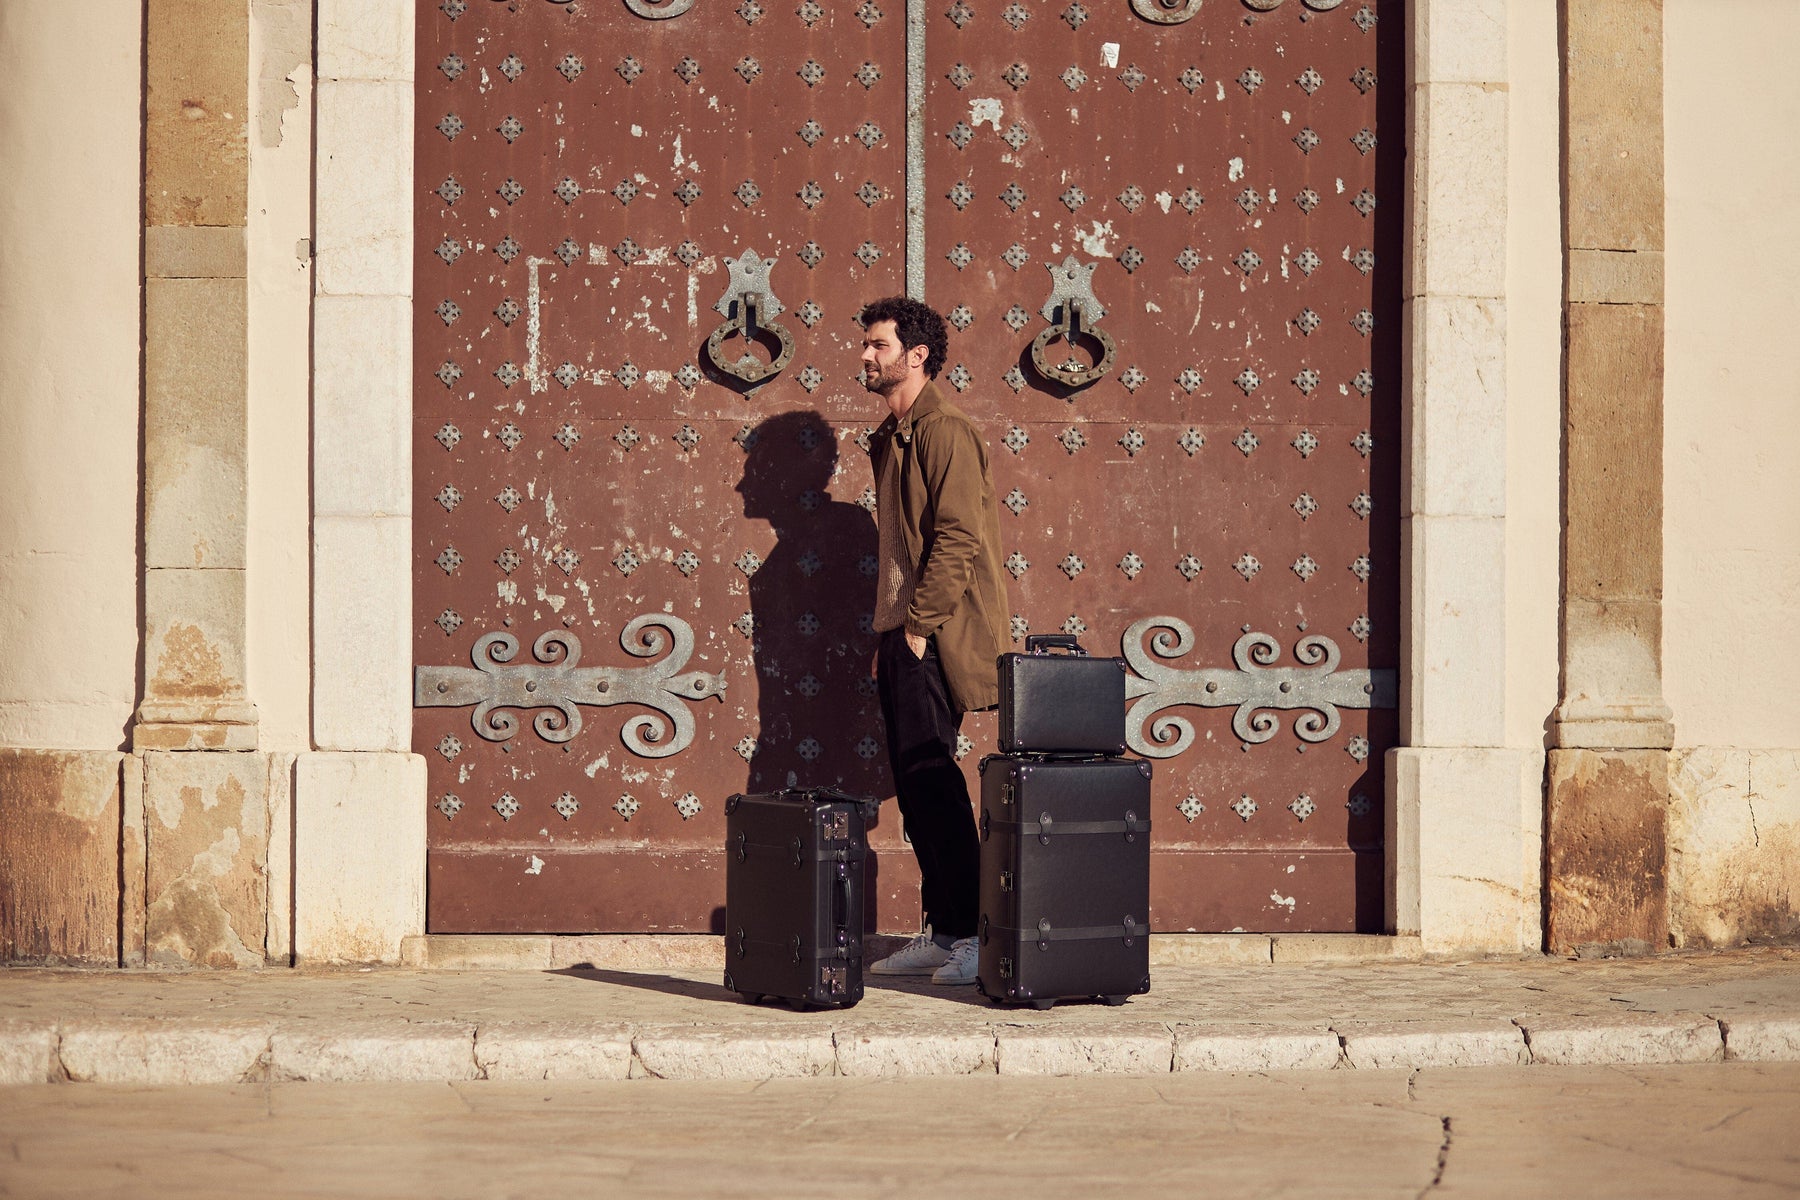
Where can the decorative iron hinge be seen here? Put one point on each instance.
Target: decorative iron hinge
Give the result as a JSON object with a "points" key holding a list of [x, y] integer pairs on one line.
{"points": [[556, 683], [1254, 686]]}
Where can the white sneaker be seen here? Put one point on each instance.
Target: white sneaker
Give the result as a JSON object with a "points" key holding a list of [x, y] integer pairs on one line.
{"points": [[921, 956], [963, 965]]}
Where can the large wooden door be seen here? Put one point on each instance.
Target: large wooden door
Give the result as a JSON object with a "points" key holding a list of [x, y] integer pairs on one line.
{"points": [[643, 580]]}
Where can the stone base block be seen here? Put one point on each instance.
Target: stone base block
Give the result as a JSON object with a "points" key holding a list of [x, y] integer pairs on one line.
{"points": [[641, 952], [885, 1050], [476, 952], [334, 1052], [1762, 1039], [1344, 948], [1409, 1047], [1206, 1048], [207, 825], [770, 1053], [544, 1051], [1209, 949], [1625, 1039], [359, 855], [1128, 1048], [1605, 849], [59, 856], [1734, 846], [27, 1053], [1462, 849], [164, 1053]]}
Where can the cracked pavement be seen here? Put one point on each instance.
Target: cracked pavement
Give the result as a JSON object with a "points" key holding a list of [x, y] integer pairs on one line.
{"points": [[1642, 1132]]}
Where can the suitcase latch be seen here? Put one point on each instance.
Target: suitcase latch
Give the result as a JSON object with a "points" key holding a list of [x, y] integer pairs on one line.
{"points": [[1006, 881], [834, 826], [1006, 968], [1006, 793], [834, 980]]}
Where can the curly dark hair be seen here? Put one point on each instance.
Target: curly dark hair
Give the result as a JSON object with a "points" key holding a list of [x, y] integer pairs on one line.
{"points": [[915, 323]]}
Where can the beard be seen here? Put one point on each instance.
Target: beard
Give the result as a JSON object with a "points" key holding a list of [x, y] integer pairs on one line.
{"points": [[884, 379]]}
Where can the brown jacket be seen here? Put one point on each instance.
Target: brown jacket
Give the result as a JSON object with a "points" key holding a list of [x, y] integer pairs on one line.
{"points": [[950, 525]]}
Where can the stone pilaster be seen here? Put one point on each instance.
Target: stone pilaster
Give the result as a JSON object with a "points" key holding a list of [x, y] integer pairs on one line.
{"points": [[1611, 732], [1456, 838], [196, 176]]}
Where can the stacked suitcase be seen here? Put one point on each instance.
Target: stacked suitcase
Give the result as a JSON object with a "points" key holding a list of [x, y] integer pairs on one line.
{"points": [[1065, 835], [794, 896]]}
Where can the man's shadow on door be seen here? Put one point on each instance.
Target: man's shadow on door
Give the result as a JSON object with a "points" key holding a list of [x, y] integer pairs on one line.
{"points": [[811, 602]]}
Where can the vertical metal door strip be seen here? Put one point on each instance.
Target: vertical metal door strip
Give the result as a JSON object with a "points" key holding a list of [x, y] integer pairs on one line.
{"points": [[1167, 239]]}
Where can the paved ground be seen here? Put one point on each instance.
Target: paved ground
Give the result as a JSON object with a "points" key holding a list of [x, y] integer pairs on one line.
{"points": [[1725, 1130], [590, 1024]]}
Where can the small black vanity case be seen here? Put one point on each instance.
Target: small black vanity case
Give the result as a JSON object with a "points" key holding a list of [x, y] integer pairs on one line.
{"points": [[1065, 879], [1061, 703], [794, 896]]}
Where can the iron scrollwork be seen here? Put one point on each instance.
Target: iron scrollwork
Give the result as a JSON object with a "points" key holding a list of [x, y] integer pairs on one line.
{"points": [[659, 12], [749, 306], [1073, 312], [1254, 685], [556, 684]]}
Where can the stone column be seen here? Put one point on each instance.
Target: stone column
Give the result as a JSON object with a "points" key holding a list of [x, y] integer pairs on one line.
{"points": [[206, 819], [1457, 839], [1611, 732], [196, 176]]}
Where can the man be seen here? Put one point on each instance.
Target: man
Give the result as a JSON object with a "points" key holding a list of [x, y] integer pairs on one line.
{"points": [[940, 613]]}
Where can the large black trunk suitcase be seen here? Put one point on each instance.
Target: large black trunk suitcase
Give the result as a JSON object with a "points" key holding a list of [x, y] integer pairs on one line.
{"points": [[1065, 879], [1061, 703], [794, 896]]}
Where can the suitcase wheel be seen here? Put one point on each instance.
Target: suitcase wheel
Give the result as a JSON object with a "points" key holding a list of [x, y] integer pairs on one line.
{"points": [[1041, 1005], [753, 997], [1113, 1001]]}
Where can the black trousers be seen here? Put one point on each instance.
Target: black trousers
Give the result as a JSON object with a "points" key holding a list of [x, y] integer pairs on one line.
{"points": [[934, 799]]}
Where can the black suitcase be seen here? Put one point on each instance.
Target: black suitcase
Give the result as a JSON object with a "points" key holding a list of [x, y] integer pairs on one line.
{"points": [[794, 896], [1061, 703], [1065, 879]]}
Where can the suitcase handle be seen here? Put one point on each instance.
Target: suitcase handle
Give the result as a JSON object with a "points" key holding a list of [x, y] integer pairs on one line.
{"points": [[1038, 643], [840, 907]]}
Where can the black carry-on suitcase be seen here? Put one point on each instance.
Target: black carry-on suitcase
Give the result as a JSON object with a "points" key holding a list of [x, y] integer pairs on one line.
{"points": [[1061, 703], [794, 896], [1065, 879]]}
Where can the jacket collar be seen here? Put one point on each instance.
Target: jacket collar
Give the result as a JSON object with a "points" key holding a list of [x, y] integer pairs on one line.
{"points": [[929, 401]]}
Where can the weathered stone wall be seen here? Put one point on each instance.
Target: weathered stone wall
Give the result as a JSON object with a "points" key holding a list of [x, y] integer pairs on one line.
{"points": [[60, 856], [1533, 413], [1734, 846], [279, 254], [69, 337], [70, 139], [1731, 618], [1732, 614]]}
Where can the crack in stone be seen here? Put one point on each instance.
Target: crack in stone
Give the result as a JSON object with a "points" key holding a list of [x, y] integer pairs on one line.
{"points": [[1443, 1159]]}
